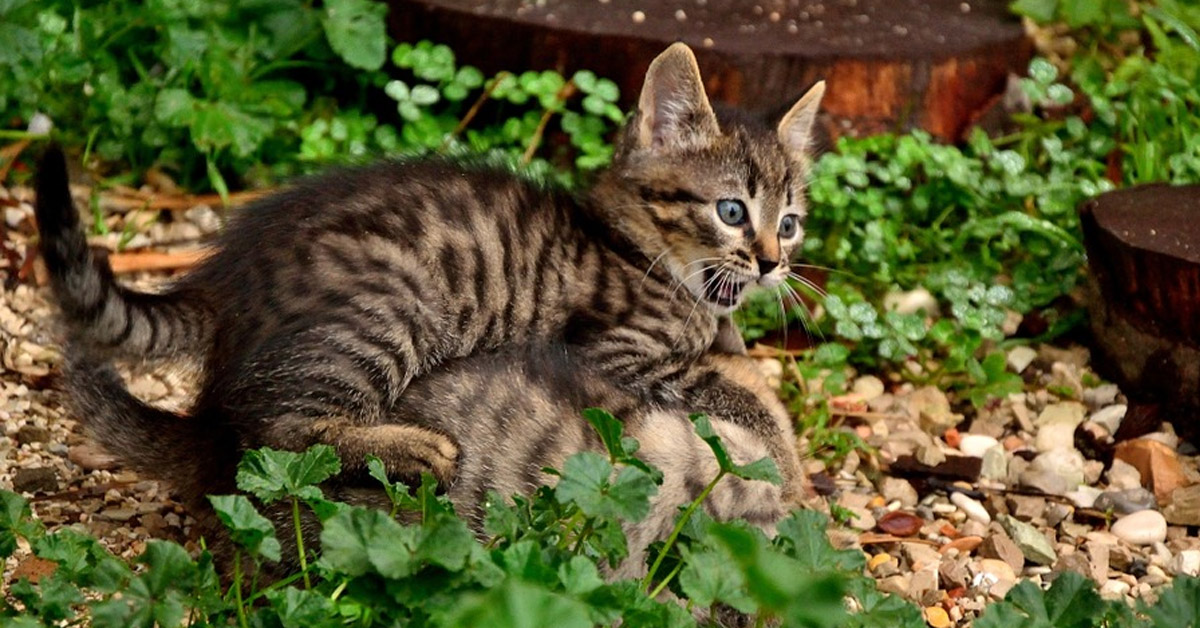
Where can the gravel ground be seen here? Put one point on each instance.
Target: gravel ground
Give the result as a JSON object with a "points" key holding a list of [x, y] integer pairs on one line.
{"points": [[951, 509]]}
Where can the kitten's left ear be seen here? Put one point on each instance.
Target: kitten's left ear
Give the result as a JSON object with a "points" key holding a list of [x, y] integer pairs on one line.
{"points": [[795, 129], [673, 110]]}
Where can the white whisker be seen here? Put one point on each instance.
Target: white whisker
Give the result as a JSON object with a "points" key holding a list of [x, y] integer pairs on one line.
{"points": [[651, 268], [703, 288], [683, 282], [806, 317], [810, 284]]}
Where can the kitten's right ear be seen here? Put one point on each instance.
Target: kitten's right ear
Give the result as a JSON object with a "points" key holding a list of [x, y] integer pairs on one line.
{"points": [[673, 110], [795, 130]]}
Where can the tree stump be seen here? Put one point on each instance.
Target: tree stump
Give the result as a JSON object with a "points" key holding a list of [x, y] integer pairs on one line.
{"points": [[889, 64], [1143, 246]]}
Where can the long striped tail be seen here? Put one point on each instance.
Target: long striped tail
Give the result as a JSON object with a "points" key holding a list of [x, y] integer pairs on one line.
{"points": [[105, 318]]}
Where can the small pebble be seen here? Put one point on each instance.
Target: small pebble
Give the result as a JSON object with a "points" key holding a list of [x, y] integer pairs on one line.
{"points": [[35, 480], [878, 560], [976, 445], [1032, 542], [1019, 358], [1122, 475], [972, 508], [29, 434], [1186, 563], [1127, 501], [1145, 527], [1110, 417], [937, 617], [963, 545], [1114, 590], [899, 490], [868, 387], [994, 465]]}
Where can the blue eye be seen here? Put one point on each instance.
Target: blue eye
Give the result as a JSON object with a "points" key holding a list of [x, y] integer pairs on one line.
{"points": [[789, 225], [732, 212]]}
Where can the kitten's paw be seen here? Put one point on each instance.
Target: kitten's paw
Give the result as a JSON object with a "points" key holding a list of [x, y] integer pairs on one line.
{"points": [[406, 451], [438, 455]]}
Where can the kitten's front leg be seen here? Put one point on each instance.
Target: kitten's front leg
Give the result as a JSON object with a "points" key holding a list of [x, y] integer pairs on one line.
{"points": [[729, 338], [648, 357], [730, 388]]}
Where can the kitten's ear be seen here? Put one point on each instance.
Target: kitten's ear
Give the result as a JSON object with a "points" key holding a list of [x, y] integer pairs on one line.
{"points": [[673, 110], [795, 129]]}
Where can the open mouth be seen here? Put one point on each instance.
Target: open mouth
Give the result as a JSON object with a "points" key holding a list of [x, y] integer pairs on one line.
{"points": [[724, 292]]}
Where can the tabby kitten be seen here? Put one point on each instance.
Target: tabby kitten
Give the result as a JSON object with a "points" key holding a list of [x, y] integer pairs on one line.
{"points": [[511, 414], [322, 303]]}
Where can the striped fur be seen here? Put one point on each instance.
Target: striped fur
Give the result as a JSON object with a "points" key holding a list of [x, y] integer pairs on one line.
{"points": [[511, 414], [322, 304]]}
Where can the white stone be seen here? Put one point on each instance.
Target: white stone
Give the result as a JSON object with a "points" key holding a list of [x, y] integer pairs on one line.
{"points": [[204, 217], [1066, 412], [976, 444], [13, 217], [1110, 417], [1186, 563], [1114, 590], [1100, 396], [1065, 463], [911, 302], [868, 387], [1019, 358], [972, 508], [1092, 470], [1084, 496], [994, 576], [1055, 436], [1123, 476], [995, 464], [1145, 527]]}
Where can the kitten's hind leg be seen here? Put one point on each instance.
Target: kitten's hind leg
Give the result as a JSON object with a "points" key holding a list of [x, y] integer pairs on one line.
{"points": [[405, 450], [333, 384]]}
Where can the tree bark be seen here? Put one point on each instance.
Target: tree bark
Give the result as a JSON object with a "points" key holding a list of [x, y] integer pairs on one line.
{"points": [[1143, 246]]}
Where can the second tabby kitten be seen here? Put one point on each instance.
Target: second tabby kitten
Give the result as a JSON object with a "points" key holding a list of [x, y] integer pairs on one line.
{"points": [[511, 414]]}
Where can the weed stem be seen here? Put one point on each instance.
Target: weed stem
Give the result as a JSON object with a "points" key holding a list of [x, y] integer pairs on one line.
{"points": [[683, 519], [300, 542]]}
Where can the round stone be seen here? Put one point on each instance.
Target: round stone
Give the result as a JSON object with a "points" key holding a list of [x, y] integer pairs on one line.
{"points": [[976, 445], [868, 387], [1145, 527]]}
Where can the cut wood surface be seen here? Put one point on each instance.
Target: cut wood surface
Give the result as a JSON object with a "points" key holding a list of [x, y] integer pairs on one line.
{"points": [[1143, 247], [889, 64]]}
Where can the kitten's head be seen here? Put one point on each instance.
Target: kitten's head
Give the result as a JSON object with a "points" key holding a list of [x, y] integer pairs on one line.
{"points": [[716, 198]]}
